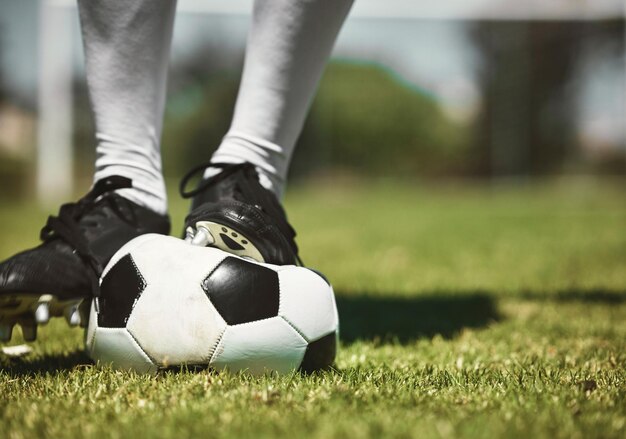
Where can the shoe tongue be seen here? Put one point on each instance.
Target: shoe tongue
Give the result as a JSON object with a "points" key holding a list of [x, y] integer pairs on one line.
{"points": [[109, 184], [225, 188]]}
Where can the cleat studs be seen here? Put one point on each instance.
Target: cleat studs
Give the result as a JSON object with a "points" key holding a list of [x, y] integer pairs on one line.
{"points": [[72, 315], [75, 319], [29, 331], [83, 312], [42, 314], [202, 238], [189, 234], [6, 331]]}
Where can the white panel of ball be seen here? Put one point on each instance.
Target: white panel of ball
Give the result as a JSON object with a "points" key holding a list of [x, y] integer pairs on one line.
{"points": [[307, 302], [117, 348], [175, 323], [259, 347], [166, 257]]}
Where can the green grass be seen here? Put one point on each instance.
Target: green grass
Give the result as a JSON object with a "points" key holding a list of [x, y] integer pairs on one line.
{"points": [[465, 312]]}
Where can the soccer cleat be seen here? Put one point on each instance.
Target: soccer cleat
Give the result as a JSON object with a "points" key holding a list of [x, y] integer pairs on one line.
{"points": [[55, 278], [235, 213]]}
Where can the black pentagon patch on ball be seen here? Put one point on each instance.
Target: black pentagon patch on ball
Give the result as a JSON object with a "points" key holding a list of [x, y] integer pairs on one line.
{"points": [[243, 292], [320, 354], [119, 291]]}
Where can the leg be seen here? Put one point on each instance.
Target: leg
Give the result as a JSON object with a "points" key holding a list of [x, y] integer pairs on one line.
{"points": [[288, 46], [127, 46], [236, 207]]}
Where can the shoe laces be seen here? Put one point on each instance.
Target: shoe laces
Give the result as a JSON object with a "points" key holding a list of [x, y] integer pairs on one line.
{"points": [[66, 226], [246, 189]]}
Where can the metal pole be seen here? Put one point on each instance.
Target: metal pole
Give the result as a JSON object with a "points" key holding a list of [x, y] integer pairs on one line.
{"points": [[54, 128]]}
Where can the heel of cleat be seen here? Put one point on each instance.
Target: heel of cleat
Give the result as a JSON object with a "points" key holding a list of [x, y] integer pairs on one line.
{"points": [[208, 233]]}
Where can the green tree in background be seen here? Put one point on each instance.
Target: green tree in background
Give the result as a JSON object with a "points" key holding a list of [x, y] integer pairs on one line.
{"points": [[363, 120]]}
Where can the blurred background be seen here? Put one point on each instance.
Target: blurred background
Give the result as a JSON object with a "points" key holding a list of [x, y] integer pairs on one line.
{"points": [[463, 89]]}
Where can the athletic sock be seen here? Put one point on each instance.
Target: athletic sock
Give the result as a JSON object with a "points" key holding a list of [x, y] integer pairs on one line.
{"points": [[288, 45], [127, 46]]}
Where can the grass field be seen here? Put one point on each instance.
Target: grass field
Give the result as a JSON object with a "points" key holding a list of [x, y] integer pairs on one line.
{"points": [[465, 312]]}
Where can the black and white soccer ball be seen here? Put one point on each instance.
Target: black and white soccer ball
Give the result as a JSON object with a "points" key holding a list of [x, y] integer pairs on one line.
{"points": [[166, 303]]}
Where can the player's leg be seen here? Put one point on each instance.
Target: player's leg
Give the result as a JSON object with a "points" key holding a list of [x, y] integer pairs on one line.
{"points": [[127, 45], [126, 51], [236, 206]]}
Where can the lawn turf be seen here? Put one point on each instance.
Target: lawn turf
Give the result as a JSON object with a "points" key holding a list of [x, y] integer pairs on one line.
{"points": [[466, 311]]}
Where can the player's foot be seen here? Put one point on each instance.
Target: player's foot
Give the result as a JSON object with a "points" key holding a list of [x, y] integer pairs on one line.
{"points": [[52, 280], [234, 212]]}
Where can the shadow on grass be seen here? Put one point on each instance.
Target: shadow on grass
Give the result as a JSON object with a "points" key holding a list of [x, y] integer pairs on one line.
{"points": [[598, 295], [387, 317], [378, 318], [403, 319], [53, 364]]}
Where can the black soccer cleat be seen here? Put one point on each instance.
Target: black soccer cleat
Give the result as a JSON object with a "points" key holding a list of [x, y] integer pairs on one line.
{"points": [[235, 213], [53, 279]]}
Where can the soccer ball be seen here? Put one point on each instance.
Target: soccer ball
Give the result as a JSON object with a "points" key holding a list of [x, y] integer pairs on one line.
{"points": [[166, 303]]}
